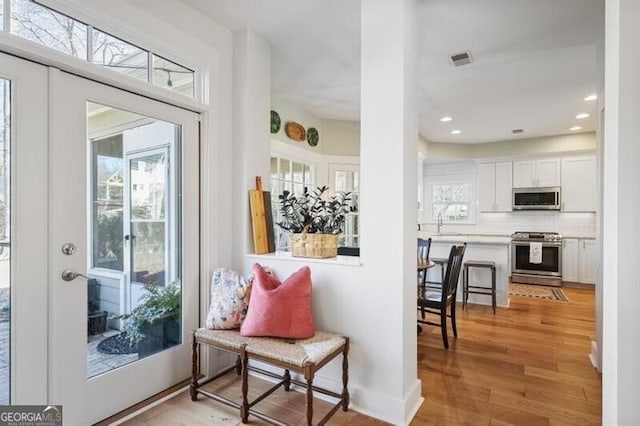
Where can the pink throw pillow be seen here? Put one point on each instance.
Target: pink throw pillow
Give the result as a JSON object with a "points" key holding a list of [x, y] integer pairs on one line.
{"points": [[280, 309]]}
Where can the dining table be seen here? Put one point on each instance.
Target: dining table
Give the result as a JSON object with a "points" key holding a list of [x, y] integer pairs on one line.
{"points": [[423, 266]]}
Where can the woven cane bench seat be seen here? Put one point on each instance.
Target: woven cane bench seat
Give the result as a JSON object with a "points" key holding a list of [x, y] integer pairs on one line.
{"points": [[295, 353], [305, 356]]}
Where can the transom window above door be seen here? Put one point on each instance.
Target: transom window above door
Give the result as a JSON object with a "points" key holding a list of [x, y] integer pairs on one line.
{"points": [[50, 28]]}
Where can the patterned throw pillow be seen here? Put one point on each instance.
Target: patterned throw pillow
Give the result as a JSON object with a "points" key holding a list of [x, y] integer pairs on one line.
{"points": [[229, 300], [280, 309]]}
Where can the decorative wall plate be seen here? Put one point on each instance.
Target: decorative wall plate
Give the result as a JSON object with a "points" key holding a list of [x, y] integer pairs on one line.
{"points": [[295, 131], [312, 136], [275, 122]]}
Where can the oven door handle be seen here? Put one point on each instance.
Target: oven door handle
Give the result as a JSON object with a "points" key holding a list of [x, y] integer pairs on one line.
{"points": [[546, 244]]}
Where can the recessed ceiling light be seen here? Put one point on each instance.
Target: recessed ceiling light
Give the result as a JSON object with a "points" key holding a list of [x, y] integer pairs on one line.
{"points": [[456, 132], [574, 128], [445, 119], [582, 115], [591, 98]]}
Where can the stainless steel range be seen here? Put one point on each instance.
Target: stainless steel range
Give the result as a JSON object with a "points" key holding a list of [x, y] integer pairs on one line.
{"points": [[536, 258]]}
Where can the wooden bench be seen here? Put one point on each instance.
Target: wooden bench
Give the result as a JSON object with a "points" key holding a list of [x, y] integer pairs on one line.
{"points": [[305, 356]]}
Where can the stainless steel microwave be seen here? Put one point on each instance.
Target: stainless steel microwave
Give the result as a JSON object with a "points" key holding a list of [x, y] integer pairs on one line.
{"points": [[547, 198]]}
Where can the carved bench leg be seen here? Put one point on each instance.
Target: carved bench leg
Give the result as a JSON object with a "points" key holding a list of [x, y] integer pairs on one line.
{"points": [[308, 375], [194, 370], [287, 380], [244, 408], [345, 376], [238, 365]]}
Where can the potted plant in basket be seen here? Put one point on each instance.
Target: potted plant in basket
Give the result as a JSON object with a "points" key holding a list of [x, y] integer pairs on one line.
{"points": [[154, 324], [314, 221]]}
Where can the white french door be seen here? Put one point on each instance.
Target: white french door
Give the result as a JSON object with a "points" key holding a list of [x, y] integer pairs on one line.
{"points": [[85, 156], [23, 262], [161, 240]]}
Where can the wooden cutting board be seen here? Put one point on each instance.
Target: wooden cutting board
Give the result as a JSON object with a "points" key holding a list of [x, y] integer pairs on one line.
{"points": [[261, 219]]}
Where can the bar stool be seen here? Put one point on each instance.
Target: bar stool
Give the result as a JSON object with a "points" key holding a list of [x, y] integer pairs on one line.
{"points": [[479, 289]]}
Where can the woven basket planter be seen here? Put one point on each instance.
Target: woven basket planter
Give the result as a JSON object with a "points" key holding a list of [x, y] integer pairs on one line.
{"points": [[318, 246]]}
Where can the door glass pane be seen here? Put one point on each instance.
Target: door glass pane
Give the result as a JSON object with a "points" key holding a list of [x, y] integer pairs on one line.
{"points": [[148, 189], [108, 203], [5, 241], [44, 26], [134, 290]]}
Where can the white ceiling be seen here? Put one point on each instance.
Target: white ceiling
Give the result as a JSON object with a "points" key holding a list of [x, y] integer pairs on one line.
{"points": [[534, 61]]}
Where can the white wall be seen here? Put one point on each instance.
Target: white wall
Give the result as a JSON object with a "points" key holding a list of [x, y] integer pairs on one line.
{"points": [[289, 112], [374, 303], [575, 143], [337, 137], [621, 269], [383, 373], [340, 137], [251, 143]]}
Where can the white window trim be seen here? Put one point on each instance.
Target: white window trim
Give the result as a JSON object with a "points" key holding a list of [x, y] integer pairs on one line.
{"points": [[468, 178]]}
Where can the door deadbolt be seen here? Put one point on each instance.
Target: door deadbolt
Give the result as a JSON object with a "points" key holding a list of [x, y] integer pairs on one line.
{"points": [[69, 248]]}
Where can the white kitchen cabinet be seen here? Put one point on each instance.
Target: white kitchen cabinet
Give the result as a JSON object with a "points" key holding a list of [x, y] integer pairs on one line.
{"points": [[579, 184], [494, 187], [579, 262], [570, 260], [536, 173], [588, 261]]}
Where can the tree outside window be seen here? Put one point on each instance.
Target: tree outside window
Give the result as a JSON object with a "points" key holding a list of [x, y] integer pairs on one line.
{"points": [[451, 201]]}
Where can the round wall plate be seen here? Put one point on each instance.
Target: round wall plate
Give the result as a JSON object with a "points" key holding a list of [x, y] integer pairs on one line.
{"points": [[312, 136], [295, 131], [275, 122]]}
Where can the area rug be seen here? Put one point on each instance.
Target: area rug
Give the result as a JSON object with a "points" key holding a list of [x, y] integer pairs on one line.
{"points": [[117, 345], [537, 291]]}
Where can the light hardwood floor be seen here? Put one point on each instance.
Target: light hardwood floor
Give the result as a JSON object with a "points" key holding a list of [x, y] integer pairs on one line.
{"points": [[526, 365]]}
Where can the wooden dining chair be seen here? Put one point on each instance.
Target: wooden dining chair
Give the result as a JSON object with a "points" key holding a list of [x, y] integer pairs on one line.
{"points": [[437, 302], [424, 246]]}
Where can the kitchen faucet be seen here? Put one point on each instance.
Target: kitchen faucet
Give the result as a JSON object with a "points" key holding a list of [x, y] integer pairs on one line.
{"points": [[439, 222]]}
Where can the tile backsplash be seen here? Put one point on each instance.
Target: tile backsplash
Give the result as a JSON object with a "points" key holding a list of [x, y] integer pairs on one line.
{"points": [[568, 224]]}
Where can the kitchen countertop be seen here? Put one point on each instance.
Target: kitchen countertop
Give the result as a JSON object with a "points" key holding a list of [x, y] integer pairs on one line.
{"points": [[467, 238]]}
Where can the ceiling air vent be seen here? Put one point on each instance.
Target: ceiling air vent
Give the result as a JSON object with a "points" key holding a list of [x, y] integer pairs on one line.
{"points": [[460, 59], [517, 131]]}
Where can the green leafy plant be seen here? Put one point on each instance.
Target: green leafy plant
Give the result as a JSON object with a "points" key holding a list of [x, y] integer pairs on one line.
{"points": [[313, 212], [156, 303]]}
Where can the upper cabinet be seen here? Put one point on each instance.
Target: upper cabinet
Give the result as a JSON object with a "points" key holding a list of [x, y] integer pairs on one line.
{"points": [[494, 187], [579, 184], [536, 173]]}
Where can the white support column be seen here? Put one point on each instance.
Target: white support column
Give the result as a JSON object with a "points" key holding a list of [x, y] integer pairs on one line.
{"points": [[251, 143], [621, 269], [389, 134]]}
